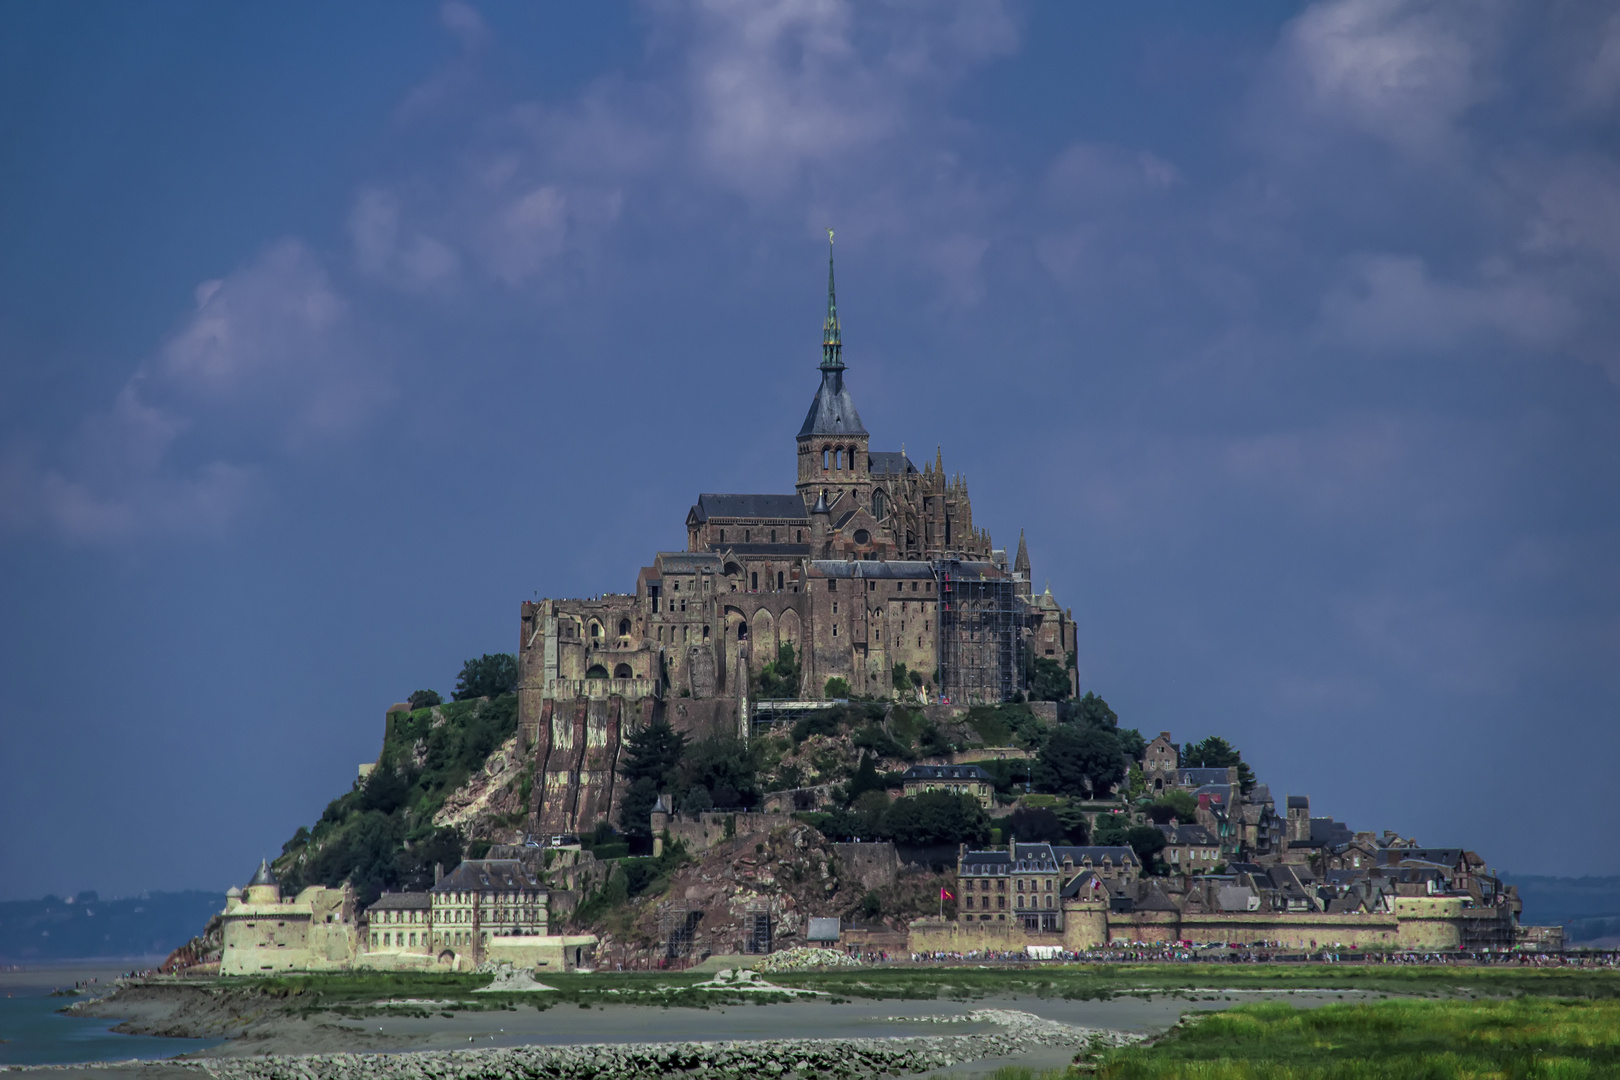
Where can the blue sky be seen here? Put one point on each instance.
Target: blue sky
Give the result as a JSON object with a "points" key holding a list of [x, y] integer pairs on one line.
{"points": [[329, 334]]}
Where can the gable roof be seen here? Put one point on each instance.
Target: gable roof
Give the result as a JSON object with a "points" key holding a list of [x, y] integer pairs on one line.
{"points": [[1121, 854], [487, 875], [947, 772], [400, 901], [889, 463], [711, 505]]}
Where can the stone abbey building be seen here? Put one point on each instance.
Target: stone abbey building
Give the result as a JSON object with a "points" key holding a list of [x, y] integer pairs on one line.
{"points": [[870, 562]]}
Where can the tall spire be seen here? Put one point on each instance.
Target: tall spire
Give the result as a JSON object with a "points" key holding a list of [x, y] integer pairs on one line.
{"points": [[832, 348]]}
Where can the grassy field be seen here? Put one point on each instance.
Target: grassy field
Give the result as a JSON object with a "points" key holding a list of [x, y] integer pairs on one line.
{"points": [[1525, 1037], [1077, 981]]}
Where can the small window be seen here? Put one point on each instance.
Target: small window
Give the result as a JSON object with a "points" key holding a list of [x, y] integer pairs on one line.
{"points": [[624, 627], [705, 633], [832, 585], [862, 536], [722, 536], [779, 581], [773, 536], [753, 583]]}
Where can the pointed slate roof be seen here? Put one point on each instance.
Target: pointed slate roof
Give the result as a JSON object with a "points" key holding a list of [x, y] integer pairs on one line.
{"points": [[833, 411], [1021, 563], [263, 876]]}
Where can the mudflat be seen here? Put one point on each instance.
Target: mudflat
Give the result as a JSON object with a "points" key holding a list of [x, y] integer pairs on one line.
{"points": [[278, 1032]]}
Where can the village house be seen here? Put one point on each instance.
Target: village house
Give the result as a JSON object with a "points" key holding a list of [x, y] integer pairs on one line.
{"points": [[957, 779]]}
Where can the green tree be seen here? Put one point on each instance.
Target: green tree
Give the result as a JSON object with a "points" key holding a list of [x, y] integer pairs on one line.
{"points": [[1079, 761], [866, 778], [490, 675], [1147, 841], [1034, 825], [837, 687], [1048, 680], [1074, 822], [937, 817], [723, 765], [779, 679], [1174, 803], [900, 678], [424, 699], [1110, 830], [1215, 752], [1091, 710], [650, 760]]}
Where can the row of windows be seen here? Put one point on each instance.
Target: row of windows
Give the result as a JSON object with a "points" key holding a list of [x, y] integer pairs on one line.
{"points": [[838, 458], [1001, 902], [748, 535]]}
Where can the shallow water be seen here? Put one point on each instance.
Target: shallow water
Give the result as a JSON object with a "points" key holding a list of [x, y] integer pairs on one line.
{"points": [[34, 1032]]}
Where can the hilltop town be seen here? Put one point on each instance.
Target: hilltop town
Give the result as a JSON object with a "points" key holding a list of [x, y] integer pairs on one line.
{"points": [[841, 715]]}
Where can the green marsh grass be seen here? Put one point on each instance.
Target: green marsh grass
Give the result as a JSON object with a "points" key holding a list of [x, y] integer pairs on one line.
{"points": [[1523, 1038]]}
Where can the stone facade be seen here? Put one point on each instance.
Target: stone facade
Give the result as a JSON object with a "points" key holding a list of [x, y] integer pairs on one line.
{"points": [[262, 934], [871, 562]]}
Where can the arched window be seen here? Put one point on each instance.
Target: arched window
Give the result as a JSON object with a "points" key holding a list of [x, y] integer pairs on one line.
{"points": [[624, 627], [824, 453], [596, 630], [753, 579], [742, 631], [705, 633], [596, 671], [779, 581], [623, 672], [879, 505]]}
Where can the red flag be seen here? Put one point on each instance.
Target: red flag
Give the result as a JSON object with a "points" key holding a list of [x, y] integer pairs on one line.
{"points": [[945, 894]]}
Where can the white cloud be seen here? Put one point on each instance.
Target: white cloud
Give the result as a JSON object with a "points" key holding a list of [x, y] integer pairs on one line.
{"points": [[1393, 302], [1401, 71], [266, 362]]}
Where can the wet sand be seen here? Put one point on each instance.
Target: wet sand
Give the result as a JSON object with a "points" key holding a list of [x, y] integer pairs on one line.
{"points": [[572, 1025]]}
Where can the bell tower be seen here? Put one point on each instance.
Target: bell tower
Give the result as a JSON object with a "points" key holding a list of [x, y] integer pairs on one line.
{"points": [[832, 443]]}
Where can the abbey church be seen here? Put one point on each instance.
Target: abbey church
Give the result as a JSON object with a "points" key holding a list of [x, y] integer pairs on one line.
{"points": [[870, 563]]}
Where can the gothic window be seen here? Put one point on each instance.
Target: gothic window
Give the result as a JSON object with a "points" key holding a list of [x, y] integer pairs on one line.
{"points": [[825, 453], [879, 505]]}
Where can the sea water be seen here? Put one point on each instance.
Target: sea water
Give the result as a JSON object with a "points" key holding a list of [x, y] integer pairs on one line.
{"points": [[34, 1032]]}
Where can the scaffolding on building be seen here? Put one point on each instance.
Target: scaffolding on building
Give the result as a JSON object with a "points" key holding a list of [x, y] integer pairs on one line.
{"points": [[980, 633], [676, 923], [757, 927]]}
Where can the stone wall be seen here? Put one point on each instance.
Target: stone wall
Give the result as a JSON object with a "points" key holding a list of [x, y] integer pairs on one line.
{"points": [[712, 828], [875, 866], [1418, 923]]}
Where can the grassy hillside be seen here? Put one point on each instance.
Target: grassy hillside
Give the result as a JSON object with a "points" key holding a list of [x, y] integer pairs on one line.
{"points": [[380, 835]]}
